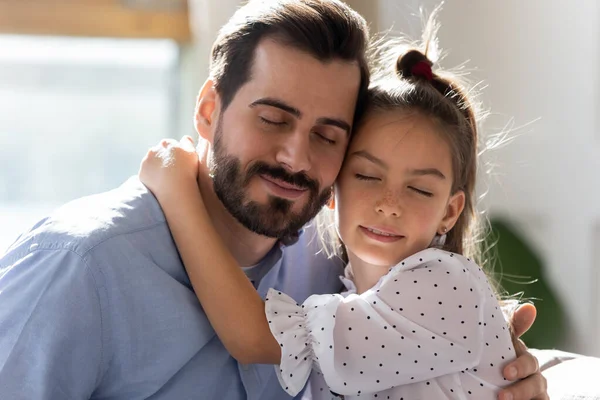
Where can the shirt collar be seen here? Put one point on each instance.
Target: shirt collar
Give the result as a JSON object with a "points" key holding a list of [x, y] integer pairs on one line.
{"points": [[347, 279]]}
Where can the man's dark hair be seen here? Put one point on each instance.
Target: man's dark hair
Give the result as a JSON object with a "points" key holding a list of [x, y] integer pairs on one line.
{"points": [[325, 29]]}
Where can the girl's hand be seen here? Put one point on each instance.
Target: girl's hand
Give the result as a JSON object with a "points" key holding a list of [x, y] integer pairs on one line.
{"points": [[170, 167]]}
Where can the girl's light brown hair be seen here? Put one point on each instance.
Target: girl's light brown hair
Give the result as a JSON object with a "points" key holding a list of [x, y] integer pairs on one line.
{"points": [[445, 100]]}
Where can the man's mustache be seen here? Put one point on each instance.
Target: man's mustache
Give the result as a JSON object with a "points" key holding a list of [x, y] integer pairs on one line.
{"points": [[300, 179]]}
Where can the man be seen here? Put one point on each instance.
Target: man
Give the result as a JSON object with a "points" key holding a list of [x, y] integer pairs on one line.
{"points": [[94, 300]]}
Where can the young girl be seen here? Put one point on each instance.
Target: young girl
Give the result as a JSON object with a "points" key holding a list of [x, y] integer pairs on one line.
{"points": [[419, 320]]}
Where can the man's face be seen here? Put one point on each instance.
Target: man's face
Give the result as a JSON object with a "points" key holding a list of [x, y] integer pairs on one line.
{"points": [[280, 143]]}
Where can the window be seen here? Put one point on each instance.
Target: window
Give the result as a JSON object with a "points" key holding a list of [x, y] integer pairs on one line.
{"points": [[76, 116], [102, 18]]}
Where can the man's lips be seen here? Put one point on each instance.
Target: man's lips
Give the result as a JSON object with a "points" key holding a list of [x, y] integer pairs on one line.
{"points": [[283, 189]]}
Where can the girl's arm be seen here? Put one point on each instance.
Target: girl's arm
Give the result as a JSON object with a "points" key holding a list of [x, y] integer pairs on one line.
{"points": [[232, 305], [234, 308]]}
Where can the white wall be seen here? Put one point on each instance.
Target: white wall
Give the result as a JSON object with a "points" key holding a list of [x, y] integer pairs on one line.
{"points": [[540, 60]]}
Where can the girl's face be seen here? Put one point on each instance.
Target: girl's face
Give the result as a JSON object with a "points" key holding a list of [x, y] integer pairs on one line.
{"points": [[393, 193]]}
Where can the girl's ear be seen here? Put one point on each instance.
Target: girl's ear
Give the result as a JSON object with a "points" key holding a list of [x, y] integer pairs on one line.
{"points": [[455, 207]]}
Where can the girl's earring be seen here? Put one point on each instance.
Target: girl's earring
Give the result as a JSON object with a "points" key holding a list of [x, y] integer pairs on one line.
{"points": [[331, 203], [439, 240]]}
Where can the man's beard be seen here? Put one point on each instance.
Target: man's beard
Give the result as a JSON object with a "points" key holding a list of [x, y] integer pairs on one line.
{"points": [[274, 219]]}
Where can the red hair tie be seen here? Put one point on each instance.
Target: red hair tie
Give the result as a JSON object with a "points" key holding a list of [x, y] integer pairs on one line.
{"points": [[422, 69]]}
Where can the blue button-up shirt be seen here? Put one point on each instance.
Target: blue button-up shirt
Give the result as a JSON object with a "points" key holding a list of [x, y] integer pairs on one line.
{"points": [[95, 304]]}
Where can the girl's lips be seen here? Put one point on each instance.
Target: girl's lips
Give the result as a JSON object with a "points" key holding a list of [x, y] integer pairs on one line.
{"points": [[380, 235]]}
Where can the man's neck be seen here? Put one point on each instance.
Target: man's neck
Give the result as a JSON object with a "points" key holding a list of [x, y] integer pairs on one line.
{"points": [[247, 247]]}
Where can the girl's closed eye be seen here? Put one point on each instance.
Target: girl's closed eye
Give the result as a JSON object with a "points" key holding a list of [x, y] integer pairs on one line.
{"points": [[421, 191], [363, 177]]}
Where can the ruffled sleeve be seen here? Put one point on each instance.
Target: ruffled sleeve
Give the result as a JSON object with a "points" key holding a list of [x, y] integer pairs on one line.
{"points": [[296, 328]]}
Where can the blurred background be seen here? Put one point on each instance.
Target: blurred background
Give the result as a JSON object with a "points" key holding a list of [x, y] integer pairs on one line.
{"points": [[87, 86]]}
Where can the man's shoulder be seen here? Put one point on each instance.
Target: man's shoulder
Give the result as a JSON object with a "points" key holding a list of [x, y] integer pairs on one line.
{"points": [[87, 222]]}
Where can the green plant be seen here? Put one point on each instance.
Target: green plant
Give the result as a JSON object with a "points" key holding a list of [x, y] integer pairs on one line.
{"points": [[520, 273]]}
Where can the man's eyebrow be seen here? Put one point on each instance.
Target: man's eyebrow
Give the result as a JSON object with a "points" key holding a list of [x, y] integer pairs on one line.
{"points": [[339, 123], [272, 102]]}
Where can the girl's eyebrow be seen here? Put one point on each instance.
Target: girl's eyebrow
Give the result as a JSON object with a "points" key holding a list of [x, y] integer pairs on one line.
{"points": [[428, 171], [368, 156], [417, 172]]}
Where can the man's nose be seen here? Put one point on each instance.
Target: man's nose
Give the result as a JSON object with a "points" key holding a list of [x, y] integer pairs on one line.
{"points": [[294, 152]]}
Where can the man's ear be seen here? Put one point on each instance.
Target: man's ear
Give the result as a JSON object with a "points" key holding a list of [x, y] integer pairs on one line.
{"points": [[207, 110]]}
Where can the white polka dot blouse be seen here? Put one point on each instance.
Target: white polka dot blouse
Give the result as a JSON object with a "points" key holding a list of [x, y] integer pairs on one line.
{"points": [[431, 328]]}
